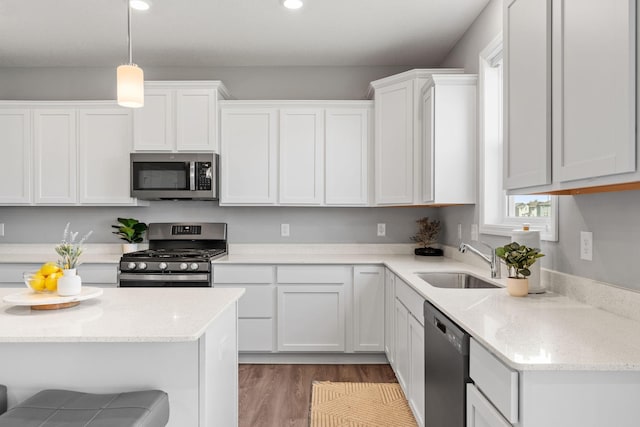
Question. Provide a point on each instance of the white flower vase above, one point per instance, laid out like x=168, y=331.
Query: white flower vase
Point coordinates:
x=70, y=283
x=129, y=247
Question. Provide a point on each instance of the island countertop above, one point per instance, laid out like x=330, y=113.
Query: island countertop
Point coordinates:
x=120, y=315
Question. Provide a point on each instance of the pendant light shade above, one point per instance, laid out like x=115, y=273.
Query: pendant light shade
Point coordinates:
x=130, y=86
x=130, y=77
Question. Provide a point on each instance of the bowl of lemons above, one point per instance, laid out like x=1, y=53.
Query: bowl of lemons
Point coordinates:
x=43, y=280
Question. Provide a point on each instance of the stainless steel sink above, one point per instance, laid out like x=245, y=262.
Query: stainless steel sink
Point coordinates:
x=455, y=280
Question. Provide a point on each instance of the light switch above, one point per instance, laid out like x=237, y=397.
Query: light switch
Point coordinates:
x=284, y=230
x=474, y=232
x=586, y=245
x=382, y=230
x=1, y=230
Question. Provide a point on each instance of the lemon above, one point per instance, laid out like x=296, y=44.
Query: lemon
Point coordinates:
x=51, y=282
x=48, y=269
x=37, y=282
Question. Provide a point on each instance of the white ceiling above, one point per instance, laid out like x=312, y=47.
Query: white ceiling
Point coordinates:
x=201, y=33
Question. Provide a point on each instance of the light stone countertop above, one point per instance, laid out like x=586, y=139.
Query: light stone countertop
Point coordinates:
x=538, y=332
x=120, y=315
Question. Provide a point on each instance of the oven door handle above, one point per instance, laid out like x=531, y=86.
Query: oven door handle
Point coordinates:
x=192, y=176
x=166, y=277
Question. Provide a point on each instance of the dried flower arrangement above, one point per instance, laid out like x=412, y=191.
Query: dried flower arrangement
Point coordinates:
x=70, y=250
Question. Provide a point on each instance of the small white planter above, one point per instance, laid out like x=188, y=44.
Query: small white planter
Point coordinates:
x=70, y=283
x=517, y=287
x=129, y=247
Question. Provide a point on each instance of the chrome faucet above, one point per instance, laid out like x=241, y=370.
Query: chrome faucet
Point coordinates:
x=493, y=261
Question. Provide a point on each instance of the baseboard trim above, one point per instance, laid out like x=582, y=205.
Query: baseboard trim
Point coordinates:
x=314, y=358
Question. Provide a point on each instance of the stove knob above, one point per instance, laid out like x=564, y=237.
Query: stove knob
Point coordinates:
x=162, y=266
x=183, y=266
x=142, y=266
x=193, y=266
x=131, y=266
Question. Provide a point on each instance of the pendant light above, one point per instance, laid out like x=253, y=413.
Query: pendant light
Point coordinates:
x=130, y=77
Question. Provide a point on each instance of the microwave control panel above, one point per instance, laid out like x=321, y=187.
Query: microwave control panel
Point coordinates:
x=203, y=175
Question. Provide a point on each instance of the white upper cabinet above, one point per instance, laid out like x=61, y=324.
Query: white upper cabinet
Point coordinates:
x=570, y=95
x=594, y=97
x=104, y=147
x=527, y=93
x=248, y=162
x=16, y=159
x=55, y=156
x=295, y=153
x=301, y=156
x=449, y=139
x=178, y=116
x=347, y=156
x=398, y=136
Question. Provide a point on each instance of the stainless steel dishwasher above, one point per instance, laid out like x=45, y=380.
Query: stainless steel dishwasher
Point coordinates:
x=446, y=370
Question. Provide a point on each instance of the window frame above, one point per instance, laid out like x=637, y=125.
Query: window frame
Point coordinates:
x=496, y=221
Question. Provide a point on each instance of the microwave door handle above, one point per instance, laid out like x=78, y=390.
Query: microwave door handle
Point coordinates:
x=192, y=176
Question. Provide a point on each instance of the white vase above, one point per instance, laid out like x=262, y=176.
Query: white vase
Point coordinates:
x=70, y=283
x=129, y=247
x=517, y=287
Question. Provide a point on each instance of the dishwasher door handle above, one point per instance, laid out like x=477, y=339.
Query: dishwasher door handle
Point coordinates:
x=440, y=325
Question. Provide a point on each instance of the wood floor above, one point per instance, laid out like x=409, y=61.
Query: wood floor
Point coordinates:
x=280, y=395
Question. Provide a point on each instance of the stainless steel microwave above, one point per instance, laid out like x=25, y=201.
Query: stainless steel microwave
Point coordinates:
x=170, y=176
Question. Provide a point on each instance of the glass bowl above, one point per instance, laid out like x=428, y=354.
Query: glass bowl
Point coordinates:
x=35, y=282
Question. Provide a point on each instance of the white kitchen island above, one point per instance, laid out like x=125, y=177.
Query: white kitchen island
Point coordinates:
x=183, y=341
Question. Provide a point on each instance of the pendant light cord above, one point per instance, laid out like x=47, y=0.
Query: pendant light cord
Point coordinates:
x=129, y=31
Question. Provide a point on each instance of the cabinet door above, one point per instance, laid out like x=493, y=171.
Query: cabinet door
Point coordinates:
x=389, y=316
x=301, y=157
x=480, y=413
x=16, y=160
x=153, y=123
x=368, y=308
x=428, y=147
x=347, y=154
x=311, y=318
x=104, y=146
x=527, y=93
x=249, y=168
x=594, y=98
x=55, y=156
x=416, y=369
x=195, y=120
x=394, y=144
x=402, y=344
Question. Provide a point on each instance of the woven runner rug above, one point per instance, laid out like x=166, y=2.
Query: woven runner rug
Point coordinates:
x=335, y=404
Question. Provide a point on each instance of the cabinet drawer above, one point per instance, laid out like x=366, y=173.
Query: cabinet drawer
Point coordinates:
x=258, y=301
x=313, y=274
x=410, y=299
x=242, y=274
x=104, y=274
x=12, y=273
x=496, y=381
x=255, y=335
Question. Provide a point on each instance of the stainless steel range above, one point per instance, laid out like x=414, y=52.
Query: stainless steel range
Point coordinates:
x=179, y=255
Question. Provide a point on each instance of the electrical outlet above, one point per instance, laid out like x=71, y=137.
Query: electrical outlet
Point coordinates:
x=382, y=230
x=1, y=230
x=474, y=232
x=284, y=230
x=586, y=245
x=459, y=231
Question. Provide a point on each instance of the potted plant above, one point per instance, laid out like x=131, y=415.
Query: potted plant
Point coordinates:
x=131, y=231
x=427, y=235
x=70, y=250
x=518, y=259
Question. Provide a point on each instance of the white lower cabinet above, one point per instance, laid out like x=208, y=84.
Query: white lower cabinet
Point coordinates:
x=480, y=412
x=389, y=315
x=401, y=365
x=416, y=369
x=256, y=308
x=368, y=308
x=92, y=274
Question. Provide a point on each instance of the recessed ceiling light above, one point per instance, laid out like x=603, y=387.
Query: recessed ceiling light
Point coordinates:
x=292, y=4
x=140, y=4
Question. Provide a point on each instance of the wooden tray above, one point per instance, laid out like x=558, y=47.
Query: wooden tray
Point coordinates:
x=46, y=301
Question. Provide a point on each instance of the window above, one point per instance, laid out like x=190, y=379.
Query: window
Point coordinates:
x=501, y=213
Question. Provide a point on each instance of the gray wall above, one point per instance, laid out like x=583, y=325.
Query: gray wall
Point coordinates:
x=611, y=217
x=242, y=82
x=246, y=224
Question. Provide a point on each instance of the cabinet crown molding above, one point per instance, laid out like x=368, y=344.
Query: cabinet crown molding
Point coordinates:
x=195, y=84
x=416, y=73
